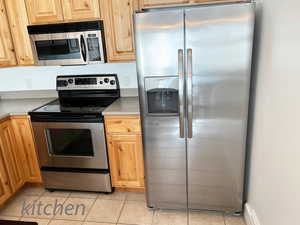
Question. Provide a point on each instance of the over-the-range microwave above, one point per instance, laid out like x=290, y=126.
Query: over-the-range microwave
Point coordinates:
x=68, y=43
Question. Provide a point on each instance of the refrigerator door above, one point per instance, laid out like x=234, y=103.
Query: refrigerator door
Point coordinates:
x=159, y=39
x=219, y=49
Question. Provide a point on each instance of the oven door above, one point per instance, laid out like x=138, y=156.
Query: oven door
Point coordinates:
x=60, y=48
x=71, y=145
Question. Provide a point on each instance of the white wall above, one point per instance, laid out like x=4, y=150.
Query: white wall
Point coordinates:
x=43, y=77
x=274, y=183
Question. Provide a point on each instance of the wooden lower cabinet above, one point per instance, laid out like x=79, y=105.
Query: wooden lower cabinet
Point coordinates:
x=11, y=156
x=5, y=191
x=18, y=159
x=126, y=160
x=125, y=151
x=25, y=143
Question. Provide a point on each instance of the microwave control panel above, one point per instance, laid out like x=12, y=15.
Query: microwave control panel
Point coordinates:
x=85, y=82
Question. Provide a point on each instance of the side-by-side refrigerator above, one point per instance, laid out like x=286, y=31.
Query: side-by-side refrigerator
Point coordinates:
x=194, y=69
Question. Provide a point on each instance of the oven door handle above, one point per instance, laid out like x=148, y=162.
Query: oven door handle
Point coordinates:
x=66, y=118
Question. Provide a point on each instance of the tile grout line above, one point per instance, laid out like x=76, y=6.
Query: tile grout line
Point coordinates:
x=89, y=210
x=52, y=218
x=39, y=197
x=84, y=220
x=97, y=198
x=123, y=206
x=223, y=215
x=153, y=214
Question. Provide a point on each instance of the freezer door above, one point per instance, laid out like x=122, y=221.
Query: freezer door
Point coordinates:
x=160, y=62
x=219, y=49
x=159, y=34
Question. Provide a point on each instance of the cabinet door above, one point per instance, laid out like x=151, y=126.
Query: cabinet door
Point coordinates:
x=126, y=160
x=7, y=54
x=17, y=16
x=26, y=145
x=118, y=21
x=11, y=156
x=44, y=11
x=158, y=3
x=79, y=10
x=5, y=192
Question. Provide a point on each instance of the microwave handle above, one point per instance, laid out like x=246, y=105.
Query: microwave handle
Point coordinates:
x=84, y=48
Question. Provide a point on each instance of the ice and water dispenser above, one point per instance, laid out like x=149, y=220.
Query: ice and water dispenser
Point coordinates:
x=162, y=95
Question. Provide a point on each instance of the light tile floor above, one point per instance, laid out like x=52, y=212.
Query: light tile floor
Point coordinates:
x=119, y=208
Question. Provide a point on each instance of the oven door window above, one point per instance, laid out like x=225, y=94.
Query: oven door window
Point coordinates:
x=70, y=142
x=58, y=49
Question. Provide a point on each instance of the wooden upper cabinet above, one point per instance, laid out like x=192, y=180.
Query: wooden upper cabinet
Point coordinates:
x=7, y=54
x=44, y=11
x=11, y=156
x=5, y=192
x=17, y=16
x=25, y=143
x=118, y=21
x=155, y=3
x=78, y=10
x=59, y=11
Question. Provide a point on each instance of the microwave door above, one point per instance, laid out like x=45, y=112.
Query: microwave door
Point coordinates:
x=59, y=49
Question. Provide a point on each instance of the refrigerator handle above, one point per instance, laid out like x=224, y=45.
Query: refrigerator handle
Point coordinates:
x=181, y=91
x=190, y=91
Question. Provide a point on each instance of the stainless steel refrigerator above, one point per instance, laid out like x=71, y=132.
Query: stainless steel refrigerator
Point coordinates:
x=194, y=66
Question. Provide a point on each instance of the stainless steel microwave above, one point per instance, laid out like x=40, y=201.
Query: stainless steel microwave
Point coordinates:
x=68, y=43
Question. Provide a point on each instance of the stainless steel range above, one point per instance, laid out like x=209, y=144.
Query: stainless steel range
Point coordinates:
x=70, y=134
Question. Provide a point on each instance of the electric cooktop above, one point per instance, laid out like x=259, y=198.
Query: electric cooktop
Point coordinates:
x=81, y=98
x=56, y=107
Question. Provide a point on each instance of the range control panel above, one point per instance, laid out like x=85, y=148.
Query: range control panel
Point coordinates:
x=88, y=82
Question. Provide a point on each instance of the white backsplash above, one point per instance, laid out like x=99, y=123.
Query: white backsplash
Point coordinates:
x=33, y=78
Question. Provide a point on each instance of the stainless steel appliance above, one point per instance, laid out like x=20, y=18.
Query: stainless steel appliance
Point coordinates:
x=193, y=68
x=70, y=136
x=68, y=43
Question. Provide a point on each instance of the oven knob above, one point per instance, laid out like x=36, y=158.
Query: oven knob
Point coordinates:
x=101, y=82
x=70, y=81
x=65, y=83
x=112, y=82
x=106, y=80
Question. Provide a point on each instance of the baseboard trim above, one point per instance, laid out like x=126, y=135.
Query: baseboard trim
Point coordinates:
x=250, y=215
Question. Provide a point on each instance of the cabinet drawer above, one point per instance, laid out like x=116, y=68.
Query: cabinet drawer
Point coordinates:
x=122, y=124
